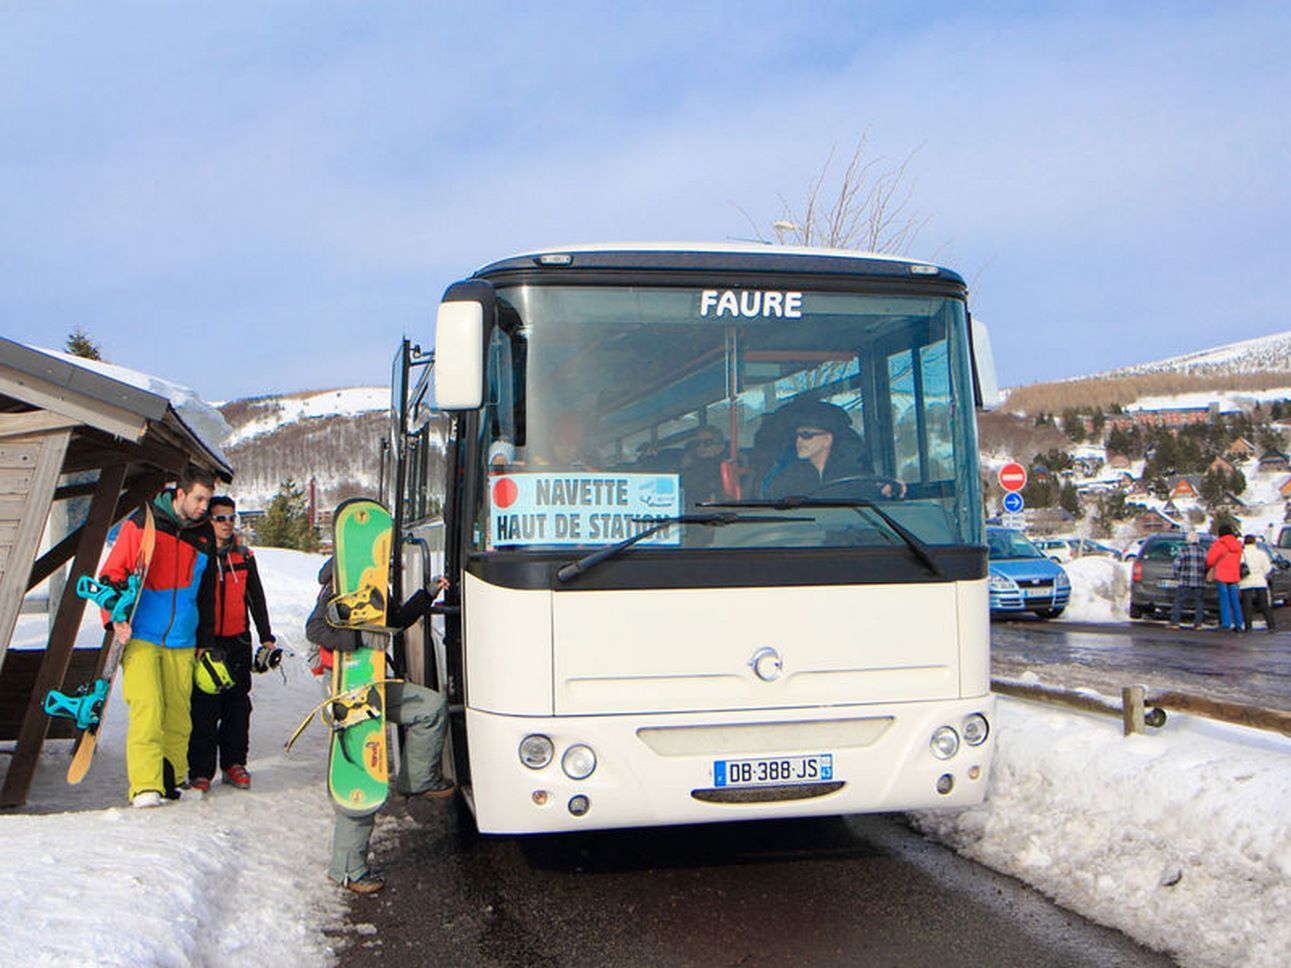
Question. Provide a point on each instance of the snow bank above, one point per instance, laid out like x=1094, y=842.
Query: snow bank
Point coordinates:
x=235, y=878
x=1181, y=839
x=1100, y=590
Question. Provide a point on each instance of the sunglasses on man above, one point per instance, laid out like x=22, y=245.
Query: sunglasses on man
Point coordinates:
x=222, y=518
x=811, y=434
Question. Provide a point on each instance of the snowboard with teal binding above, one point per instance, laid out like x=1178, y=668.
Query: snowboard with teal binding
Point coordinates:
x=358, y=767
x=85, y=706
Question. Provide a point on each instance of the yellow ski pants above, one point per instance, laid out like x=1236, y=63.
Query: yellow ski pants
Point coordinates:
x=158, y=688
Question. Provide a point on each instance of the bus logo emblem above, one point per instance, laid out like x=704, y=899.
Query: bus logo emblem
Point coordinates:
x=766, y=664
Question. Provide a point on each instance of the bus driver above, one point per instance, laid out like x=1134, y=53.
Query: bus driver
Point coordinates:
x=828, y=451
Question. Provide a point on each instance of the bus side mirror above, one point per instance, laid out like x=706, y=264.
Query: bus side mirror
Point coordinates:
x=459, y=346
x=986, y=385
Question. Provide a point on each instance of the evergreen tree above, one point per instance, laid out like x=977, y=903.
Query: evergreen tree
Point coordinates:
x=1073, y=424
x=1069, y=500
x=286, y=521
x=79, y=344
x=1212, y=487
x=1225, y=517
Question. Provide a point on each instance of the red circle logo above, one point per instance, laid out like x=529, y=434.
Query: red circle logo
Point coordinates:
x=505, y=492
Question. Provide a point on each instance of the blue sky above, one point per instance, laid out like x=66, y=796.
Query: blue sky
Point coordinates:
x=260, y=197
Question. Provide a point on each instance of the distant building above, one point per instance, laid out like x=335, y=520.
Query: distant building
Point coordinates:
x=1273, y=460
x=1220, y=465
x=1152, y=522
x=1241, y=448
x=1229, y=501
x=1184, y=487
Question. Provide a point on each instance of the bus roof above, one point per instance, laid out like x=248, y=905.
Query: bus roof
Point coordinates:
x=722, y=256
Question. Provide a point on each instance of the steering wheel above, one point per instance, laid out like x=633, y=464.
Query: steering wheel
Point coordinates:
x=871, y=487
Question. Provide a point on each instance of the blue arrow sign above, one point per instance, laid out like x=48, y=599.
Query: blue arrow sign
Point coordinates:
x=1013, y=502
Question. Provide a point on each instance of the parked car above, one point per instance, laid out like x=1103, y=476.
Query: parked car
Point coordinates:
x=1152, y=581
x=1065, y=549
x=1134, y=549
x=1022, y=578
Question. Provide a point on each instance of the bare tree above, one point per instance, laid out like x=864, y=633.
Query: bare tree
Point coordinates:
x=868, y=210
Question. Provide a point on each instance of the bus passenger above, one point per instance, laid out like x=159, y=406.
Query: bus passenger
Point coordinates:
x=701, y=466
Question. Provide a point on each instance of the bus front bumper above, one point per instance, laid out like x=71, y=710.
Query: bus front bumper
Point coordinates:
x=653, y=770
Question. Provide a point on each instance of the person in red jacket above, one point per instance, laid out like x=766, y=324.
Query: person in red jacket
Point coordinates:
x=1225, y=557
x=171, y=621
x=222, y=722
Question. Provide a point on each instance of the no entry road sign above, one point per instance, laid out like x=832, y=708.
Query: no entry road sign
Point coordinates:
x=1013, y=476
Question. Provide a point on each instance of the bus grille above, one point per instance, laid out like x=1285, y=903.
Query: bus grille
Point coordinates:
x=767, y=794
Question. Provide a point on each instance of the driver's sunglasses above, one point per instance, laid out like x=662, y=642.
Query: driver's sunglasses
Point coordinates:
x=811, y=434
x=222, y=518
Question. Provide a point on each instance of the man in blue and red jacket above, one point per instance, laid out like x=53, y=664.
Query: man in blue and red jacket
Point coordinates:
x=222, y=722
x=172, y=619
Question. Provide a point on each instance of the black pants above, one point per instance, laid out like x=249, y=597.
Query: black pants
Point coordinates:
x=1259, y=598
x=223, y=722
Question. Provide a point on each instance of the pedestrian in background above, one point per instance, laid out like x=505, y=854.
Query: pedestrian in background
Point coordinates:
x=1190, y=582
x=1254, y=585
x=1225, y=558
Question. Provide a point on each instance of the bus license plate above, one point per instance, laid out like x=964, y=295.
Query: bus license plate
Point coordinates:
x=773, y=770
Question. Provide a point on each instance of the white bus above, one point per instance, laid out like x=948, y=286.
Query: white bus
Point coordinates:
x=712, y=520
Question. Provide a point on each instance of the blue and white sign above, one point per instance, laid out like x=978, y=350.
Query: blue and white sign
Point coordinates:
x=1013, y=502
x=580, y=508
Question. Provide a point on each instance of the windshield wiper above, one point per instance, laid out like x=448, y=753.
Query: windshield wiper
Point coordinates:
x=912, y=540
x=715, y=520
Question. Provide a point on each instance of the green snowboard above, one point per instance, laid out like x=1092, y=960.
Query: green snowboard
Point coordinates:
x=357, y=768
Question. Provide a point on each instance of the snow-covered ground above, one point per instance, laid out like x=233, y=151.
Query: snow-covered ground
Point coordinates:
x=1181, y=839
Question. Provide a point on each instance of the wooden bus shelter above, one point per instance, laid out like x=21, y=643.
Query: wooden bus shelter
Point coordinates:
x=121, y=444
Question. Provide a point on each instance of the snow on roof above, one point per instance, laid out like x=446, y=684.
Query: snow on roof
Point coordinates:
x=202, y=420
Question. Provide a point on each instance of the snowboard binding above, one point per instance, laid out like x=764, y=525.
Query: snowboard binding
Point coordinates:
x=365, y=607
x=86, y=706
x=117, y=600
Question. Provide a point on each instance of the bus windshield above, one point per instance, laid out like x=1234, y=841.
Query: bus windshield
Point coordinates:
x=610, y=407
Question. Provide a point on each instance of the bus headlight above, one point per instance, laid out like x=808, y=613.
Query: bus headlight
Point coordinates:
x=578, y=762
x=976, y=730
x=944, y=743
x=536, y=751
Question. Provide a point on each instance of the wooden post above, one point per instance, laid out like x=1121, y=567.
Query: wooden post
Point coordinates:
x=29, y=469
x=1132, y=710
x=35, y=724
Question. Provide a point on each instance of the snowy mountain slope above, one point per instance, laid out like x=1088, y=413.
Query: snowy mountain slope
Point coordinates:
x=264, y=414
x=1262, y=354
x=334, y=437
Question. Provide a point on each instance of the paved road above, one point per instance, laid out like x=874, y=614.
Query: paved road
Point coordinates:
x=1254, y=667
x=850, y=891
